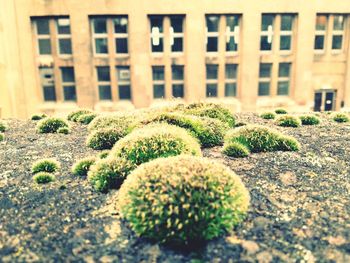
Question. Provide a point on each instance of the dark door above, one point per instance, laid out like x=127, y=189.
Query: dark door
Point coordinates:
x=318, y=101
x=324, y=100
x=329, y=102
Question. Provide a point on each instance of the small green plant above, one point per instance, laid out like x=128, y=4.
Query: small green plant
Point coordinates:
x=86, y=118
x=3, y=127
x=45, y=165
x=51, y=125
x=37, y=117
x=309, y=120
x=43, y=178
x=2, y=137
x=235, y=149
x=104, y=154
x=288, y=121
x=81, y=167
x=268, y=115
x=183, y=200
x=63, y=130
x=74, y=115
x=109, y=173
x=104, y=138
x=281, y=111
x=340, y=117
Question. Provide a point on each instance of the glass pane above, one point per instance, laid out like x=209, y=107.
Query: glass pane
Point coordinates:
x=318, y=102
x=104, y=92
x=63, y=26
x=212, y=90
x=284, y=70
x=338, y=23
x=231, y=71
x=157, y=21
x=44, y=46
x=103, y=74
x=321, y=22
x=42, y=26
x=158, y=91
x=329, y=101
x=265, y=43
x=177, y=46
x=49, y=93
x=264, y=89
x=212, y=23
x=101, y=45
x=266, y=21
x=231, y=45
x=68, y=74
x=212, y=45
x=337, y=42
x=212, y=71
x=159, y=47
x=158, y=72
x=65, y=46
x=230, y=90
x=177, y=23
x=319, y=42
x=100, y=25
x=124, y=92
x=287, y=22
x=178, y=90
x=265, y=70
x=285, y=42
x=121, y=24
x=69, y=93
x=123, y=73
x=283, y=88
x=232, y=22
x=121, y=45
x=177, y=72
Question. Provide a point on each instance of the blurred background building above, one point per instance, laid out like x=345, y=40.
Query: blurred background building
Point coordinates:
x=56, y=55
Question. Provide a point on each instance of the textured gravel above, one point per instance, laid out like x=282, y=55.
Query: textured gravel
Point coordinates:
x=300, y=207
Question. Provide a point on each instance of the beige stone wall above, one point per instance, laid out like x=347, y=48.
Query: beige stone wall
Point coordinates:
x=20, y=91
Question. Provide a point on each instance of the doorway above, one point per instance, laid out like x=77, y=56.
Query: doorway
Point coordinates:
x=325, y=100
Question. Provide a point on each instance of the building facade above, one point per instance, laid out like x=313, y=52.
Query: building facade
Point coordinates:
x=56, y=55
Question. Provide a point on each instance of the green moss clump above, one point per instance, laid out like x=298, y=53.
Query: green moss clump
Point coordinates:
x=235, y=149
x=288, y=121
x=340, y=117
x=104, y=154
x=74, y=115
x=2, y=137
x=104, y=138
x=45, y=165
x=183, y=200
x=63, y=130
x=51, y=125
x=37, y=117
x=43, y=178
x=268, y=115
x=309, y=120
x=3, y=127
x=86, y=118
x=82, y=166
x=281, y=111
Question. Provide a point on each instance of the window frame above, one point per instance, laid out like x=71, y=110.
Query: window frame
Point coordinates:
x=323, y=32
x=231, y=80
x=103, y=83
x=63, y=36
x=265, y=79
x=158, y=82
x=68, y=84
x=95, y=36
x=177, y=81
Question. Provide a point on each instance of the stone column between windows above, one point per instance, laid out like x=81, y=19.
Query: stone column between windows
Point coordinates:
x=111, y=59
x=166, y=57
x=275, y=55
x=221, y=57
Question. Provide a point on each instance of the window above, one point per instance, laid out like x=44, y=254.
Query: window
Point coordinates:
x=158, y=82
x=321, y=26
x=68, y=84
x=232, y=32
x=177, y=73
x=47, y=83
x=338, y=32
x=212, y=33
x=64, y=36
x=157, y=34
x=123, y=79
x=176, y=33
x=100, y=35
x=286, y=32
x=43, y=36
x=230, y=80
x=212, y=80
x=267, y=31
x=264, y=79
x=104, y=83
x=283, y=79
x=121, y=34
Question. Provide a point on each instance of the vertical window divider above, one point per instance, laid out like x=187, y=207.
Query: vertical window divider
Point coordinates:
x=329, y=35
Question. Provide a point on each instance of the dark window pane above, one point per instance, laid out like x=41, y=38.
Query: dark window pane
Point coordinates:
x=177, y=23
x=123, y=73
x=212, y=71
x=285, y=42
x=121, y=45
x=177, y=72
x=177, y=46
x=69, y=93
x=178, y=90
x=337, y=42
x=158, y=91
x=265, y=43
x=157, y=22
x=159, y=47
x=121, y=25
x=100, y=25
x=68, y=74
x=212, y=45
x=321, y=22
x=212, y=90
x=124, y=92
x=338, y=23
x=103, y=74
x=319, y=42
x=158, y=72
x=230, y=90
x=266, y=21
x=101, y=45
x=283, y=88
x=212, y=23
x=232, y=22
x=231, y=71
x=42, y=26
x=329, y=101
x=44, y=46
x=284, y=70
x=231, y=45
x=65, y=46
x=104, y=92
x=264, y=89
x=63, y=26
x=265, y=70
x=318, y=102
x=49, y=93
x=286, y=22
